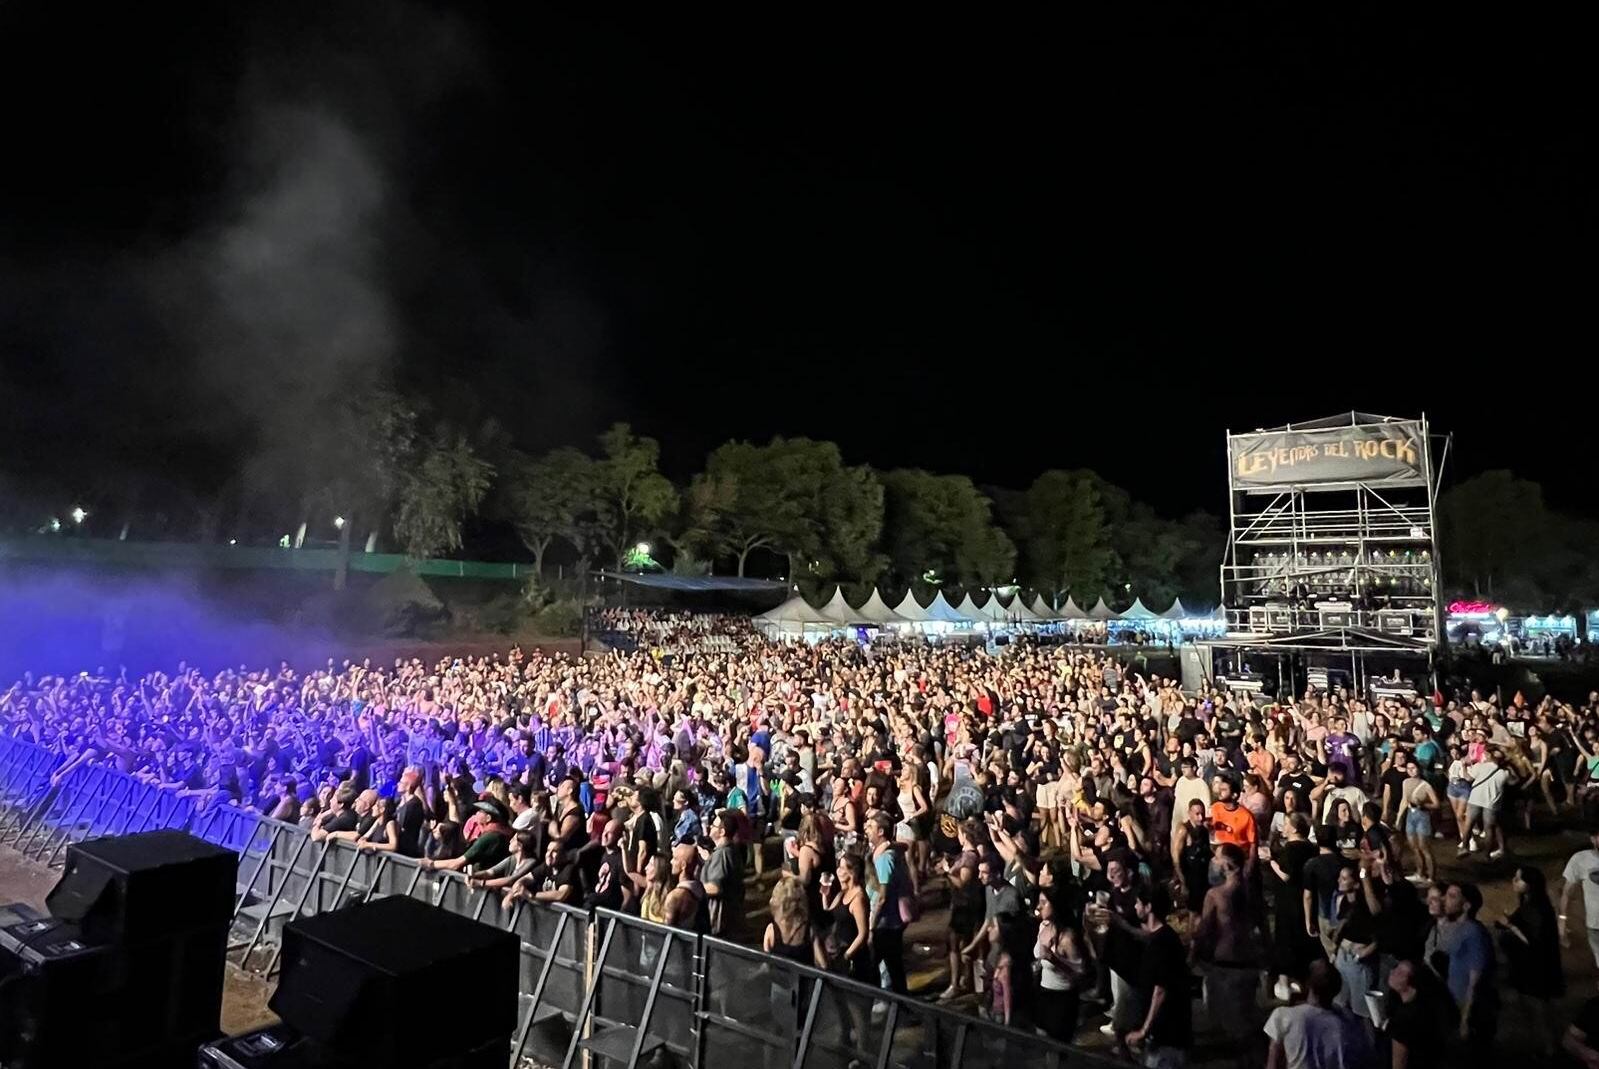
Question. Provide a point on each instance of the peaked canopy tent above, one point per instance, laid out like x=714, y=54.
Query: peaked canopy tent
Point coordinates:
x=1017, y=612
x=1101, y=611
x=909, y=609
x=795, y=618
x=877, y=611
x=1137, y=611
x=1042, y=610
x=1071, y=611
x=1176, y=612
x=940, y=611
x=971, y=613
x=839, y=611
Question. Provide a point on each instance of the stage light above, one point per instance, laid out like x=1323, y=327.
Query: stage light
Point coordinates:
x=338, y=522
x=78, y=515
x=55, y=524
x=233, y=541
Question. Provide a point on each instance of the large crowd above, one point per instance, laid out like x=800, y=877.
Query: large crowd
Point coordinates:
x=1109, y=848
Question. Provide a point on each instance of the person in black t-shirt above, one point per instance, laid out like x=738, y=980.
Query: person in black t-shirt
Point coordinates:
x=1418, y=1016
x=1167, y=1030
x=1292, y=775
x=607, y=883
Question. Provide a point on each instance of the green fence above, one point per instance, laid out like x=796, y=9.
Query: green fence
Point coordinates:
x=104, y=552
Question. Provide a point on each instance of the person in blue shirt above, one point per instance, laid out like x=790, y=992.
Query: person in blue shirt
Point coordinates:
x=1470, y=972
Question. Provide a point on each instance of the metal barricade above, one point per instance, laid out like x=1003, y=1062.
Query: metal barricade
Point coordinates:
x=641, y=996
x=613, y=986
x=556, y=961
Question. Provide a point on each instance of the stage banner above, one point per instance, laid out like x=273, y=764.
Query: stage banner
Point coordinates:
x=1391, y=454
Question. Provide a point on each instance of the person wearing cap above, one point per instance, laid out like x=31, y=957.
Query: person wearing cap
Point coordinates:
x=492, y=845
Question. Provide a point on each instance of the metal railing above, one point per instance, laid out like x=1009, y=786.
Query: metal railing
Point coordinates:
x=600, y=984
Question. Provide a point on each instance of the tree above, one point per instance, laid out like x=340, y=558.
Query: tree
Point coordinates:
x=632, y=495
x=1492, y=527
x=850, y=511
x=443, y=484
x=1067, y=540
x=942, y=524
x=768, y=495
x=551, y=497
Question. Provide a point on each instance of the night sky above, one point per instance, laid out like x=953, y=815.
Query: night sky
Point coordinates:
x=990, y=248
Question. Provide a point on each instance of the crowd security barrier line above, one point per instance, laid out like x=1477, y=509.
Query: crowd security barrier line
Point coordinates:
x=599, y=986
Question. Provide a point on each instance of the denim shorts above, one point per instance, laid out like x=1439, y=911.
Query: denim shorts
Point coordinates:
x=1459, y=790
x=1418, y=822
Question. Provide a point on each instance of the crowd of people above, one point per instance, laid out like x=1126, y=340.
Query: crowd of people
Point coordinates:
x=1108, y=847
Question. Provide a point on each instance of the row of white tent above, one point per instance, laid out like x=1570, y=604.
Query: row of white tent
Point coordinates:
x=796, y=615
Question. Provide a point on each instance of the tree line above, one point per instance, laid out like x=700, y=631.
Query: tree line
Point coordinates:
x=793, y=508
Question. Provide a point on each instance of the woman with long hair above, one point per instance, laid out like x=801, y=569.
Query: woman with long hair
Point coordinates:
x=848, y=944
x=653, y=885
x=790, y=933
x=1531, y=941
x=1064, y=969
x=915, y=822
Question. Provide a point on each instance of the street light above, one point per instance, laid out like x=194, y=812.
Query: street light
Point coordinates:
x=338, y=522
x=78, y=515
x=642, y=549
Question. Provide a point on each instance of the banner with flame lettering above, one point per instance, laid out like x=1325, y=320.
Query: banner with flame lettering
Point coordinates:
x=1388, y=454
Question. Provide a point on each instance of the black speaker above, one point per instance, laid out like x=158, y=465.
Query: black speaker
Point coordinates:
x=345, y=973
x=128, y=971
x=138, y=888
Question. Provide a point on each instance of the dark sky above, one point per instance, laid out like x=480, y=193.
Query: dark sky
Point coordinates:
x=991, y=247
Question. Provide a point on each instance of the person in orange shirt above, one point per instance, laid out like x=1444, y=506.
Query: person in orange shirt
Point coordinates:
x=1231, y=823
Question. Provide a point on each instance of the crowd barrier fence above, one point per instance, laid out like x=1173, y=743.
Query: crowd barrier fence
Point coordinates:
x=595, y=987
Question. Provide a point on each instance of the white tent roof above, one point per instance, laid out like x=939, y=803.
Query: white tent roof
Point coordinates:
x=941, y=611
x=1101, y=611
x=877, y=611
x=1138, y=611
x=994, y=609
x=969, y=611
x=1019, y=611
x=796, y=610
x=1042, y=610
x=1176, y=612
x=1072, y=611
x=839, y=611
x=908, y=609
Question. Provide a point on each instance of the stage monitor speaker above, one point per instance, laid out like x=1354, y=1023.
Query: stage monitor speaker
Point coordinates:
x=1337, y=618
x=134, y=889
x=67, y=999
x=345, y=971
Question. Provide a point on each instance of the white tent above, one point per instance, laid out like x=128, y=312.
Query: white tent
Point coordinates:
x=1042, y=610
x=877, y=611
x=909, y=609
x=1138, y=611
x=1018, y=612
x=941, y=611
x=971, y=613
x=1176, y=612
x=795, y=617
x=1101, y=611
x=838, y=610
x=1071, y=611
